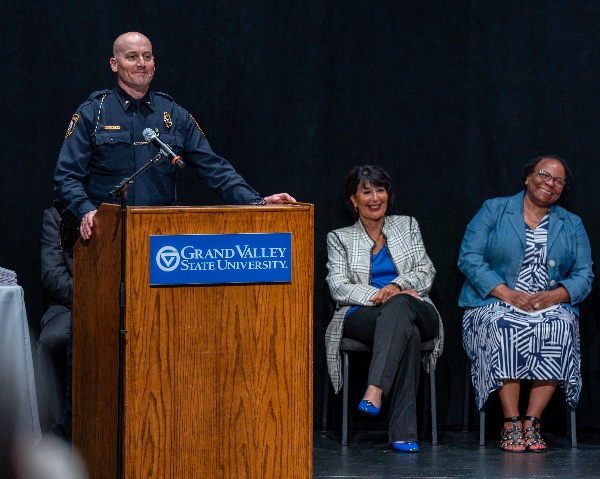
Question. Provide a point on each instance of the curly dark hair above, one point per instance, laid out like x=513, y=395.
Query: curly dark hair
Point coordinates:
x=363, y=174
x=530, y=166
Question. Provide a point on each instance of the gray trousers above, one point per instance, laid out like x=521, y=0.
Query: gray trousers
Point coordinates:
x=394, y=331
x=52, y=360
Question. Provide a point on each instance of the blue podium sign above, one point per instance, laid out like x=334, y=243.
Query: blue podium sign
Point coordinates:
x=221, y=258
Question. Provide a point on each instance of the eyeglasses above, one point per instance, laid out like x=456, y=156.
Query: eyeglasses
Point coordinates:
x=558, y=182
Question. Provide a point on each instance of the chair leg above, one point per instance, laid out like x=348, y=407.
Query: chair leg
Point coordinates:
x=573, y=427
x=482, y=426
x=426, y=403
x=434, y=438
x=346, y=368
x=324, y=416
x=467, y=403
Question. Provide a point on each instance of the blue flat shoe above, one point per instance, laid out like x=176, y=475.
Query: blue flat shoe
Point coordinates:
x=404, y=446
x=367, y=407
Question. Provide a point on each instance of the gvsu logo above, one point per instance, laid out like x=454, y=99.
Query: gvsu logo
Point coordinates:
x=167, y=258
x=220, y=258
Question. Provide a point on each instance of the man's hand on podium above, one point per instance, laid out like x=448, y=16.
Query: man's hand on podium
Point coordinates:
x=279, y=199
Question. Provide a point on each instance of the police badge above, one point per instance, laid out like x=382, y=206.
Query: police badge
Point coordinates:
x=167, y=119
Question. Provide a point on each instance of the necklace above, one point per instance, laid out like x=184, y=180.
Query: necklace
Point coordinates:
x=378, y=237
x=534, y=218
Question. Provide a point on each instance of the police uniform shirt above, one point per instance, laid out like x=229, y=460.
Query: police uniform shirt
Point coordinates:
x=104, y=145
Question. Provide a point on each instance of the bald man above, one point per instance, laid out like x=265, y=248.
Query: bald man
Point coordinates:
x=104, y=144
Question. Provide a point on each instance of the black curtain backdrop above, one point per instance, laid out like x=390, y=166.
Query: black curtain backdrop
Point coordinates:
x=452, y=98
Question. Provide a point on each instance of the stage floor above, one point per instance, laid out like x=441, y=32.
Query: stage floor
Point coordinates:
x=457, y=454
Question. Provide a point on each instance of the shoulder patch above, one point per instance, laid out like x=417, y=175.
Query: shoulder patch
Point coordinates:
x=72, y=124
x=194, y=120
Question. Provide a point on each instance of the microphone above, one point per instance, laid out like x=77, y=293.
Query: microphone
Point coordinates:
x=151, y=136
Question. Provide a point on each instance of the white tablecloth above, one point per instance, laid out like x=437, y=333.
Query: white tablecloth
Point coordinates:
x=16, y=359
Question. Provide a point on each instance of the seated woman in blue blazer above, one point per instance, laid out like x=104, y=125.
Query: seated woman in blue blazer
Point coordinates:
x=528, y=264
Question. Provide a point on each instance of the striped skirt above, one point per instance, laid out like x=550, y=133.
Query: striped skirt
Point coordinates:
x=502, y=342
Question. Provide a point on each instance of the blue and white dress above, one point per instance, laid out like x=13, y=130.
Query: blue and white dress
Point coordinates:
x=505, y=342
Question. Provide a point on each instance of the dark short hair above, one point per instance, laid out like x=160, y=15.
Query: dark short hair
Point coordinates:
x=530, y=166
x=363, y=174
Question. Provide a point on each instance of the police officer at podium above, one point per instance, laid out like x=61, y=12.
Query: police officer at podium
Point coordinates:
x=105, y=144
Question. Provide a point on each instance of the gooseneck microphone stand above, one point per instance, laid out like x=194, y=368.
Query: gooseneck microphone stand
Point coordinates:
x=121, y=191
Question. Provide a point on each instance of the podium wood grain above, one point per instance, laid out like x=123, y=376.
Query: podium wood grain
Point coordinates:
x=218, y=378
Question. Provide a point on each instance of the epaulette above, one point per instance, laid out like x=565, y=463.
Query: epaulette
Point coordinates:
x=164, y=95
x=99, y=93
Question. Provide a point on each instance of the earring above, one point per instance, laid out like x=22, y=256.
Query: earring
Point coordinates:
x=355, y=210
x=526, y=183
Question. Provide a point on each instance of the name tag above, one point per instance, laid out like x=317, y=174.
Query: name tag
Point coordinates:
x=221, y=258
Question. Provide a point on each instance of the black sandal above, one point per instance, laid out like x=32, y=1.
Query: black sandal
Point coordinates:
x=533, y=435
x=514, y=435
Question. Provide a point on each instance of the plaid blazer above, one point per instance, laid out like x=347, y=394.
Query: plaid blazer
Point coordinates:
x=349, y=278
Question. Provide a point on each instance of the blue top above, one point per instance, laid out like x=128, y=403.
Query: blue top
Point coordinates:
x=533, y=276
x=382, y=272
x=104, y=145
x=493, y=249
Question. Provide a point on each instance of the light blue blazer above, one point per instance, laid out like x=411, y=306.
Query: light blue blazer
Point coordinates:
x=493, y=249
